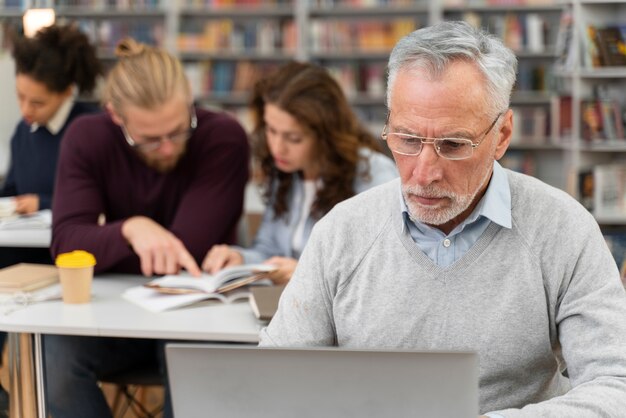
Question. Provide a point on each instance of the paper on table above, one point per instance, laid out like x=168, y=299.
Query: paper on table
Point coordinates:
x=7, y=207
x=155, y=301
x=38, y=220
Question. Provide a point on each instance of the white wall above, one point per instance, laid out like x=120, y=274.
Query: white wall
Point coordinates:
x=9, y=114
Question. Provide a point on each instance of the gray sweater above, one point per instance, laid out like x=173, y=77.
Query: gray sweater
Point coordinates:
x=524, y=298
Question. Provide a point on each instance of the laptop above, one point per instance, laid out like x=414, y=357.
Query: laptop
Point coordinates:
x=247, y=381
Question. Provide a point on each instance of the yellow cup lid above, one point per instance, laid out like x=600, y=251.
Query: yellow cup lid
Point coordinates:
x=76, y=259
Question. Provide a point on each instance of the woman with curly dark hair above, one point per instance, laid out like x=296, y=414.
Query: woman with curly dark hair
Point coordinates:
x=313, y=153
x=50, y=69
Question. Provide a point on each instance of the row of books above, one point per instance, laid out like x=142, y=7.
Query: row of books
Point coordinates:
x=602, y=120
x=229, y=3
x=531, y=125
x=227, y=35
x=602, y=189
x=364, y=35
x=329, y=4
x=600, y=46
x=105, y=34
x=520, y=161
x=519, y=31
x=533, y=76
x=616, y=241
x=236, y=77
x=225, y=77
x=605, y=46
x=108, y=4
x=480, y=3
x=360, y=78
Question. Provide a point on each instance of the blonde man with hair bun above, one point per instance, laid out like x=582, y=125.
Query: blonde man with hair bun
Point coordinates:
x=169, y=179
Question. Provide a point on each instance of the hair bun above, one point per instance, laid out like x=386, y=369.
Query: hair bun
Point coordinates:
x=128, y=47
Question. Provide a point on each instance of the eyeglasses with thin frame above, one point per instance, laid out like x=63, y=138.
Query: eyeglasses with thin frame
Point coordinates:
x=448, y=148
x=153, y=143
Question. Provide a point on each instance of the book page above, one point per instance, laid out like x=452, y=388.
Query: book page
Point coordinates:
x=155, y=301
x=213, y=283
x=159, y=302
x=38, y=220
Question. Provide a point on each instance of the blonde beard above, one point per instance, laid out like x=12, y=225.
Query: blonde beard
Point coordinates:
x=159, y=165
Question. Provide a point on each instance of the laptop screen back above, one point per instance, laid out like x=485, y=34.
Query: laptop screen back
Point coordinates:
x=248, y=381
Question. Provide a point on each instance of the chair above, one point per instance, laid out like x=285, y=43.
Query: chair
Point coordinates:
x=129, y=388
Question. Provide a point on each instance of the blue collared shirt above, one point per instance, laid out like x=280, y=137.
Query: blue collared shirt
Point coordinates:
x=495, y=206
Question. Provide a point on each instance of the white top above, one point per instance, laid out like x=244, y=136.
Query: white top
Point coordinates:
x=298, y=240
x=57, y=121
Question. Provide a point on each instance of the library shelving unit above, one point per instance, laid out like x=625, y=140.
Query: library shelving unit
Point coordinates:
x=592, y=86
x=226, y=45
x=108, y=21
x=530, y=29
x=594, y=97
x=353, y=40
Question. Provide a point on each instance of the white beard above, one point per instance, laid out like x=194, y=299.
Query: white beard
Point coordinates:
x=442, y=213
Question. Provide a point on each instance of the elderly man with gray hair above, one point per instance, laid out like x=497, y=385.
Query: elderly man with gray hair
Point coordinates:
x=462, y=254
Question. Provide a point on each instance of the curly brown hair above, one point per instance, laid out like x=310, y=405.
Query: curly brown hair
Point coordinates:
x=58, y=56
x=312, y=97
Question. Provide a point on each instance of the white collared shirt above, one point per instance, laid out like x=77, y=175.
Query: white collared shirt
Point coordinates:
x=56, y=122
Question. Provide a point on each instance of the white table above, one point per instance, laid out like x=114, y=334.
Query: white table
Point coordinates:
x=109, y=315
x=34, y=238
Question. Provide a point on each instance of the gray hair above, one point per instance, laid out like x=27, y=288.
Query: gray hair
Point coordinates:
x=433, y=48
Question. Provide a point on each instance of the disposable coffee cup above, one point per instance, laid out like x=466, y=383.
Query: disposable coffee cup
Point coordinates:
x=76, y=275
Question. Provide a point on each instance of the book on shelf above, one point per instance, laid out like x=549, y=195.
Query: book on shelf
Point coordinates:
x=561, y=117
x=174, y=291
x=26, y=277
x=609, y=194
x=616, y=241
x=520, y=161
x=603, y=46
x=564, y=48
x=586, y=188
x=611, y=46
x=531, y=125
x=602, y=120
x=518, y=31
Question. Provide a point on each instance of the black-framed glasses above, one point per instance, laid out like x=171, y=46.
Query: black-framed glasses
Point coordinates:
x=448, y=148
x=149, y=144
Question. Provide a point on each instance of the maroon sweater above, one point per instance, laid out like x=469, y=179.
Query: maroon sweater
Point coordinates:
x=199, y=201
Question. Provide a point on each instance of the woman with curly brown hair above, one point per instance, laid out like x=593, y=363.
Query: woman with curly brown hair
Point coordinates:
x=313, y=153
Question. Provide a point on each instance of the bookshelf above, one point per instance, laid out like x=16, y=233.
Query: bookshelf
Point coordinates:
x=595, y=141
x=530, y=29
x=226, y=44
x=354, y=44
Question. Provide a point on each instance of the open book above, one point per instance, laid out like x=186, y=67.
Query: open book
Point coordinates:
x=38, y=220
x=174, y=291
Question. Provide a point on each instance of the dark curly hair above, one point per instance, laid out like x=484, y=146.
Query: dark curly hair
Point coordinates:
x=58, y=56
x=312, y=97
